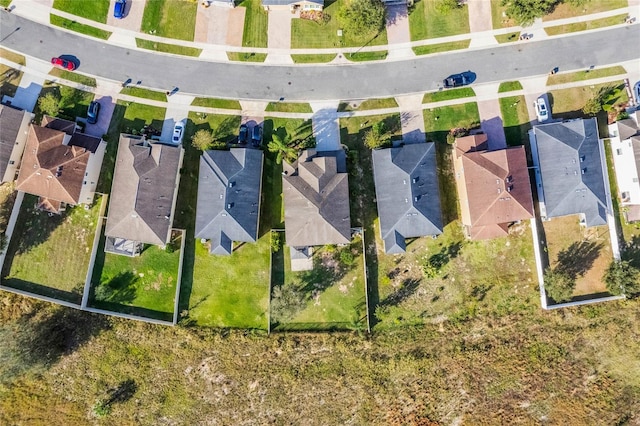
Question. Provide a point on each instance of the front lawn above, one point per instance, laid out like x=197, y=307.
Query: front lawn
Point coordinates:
x=567, y=10
x=439, y=121
x=49, y=255
x=309, y=34
x=9, y=80
x=73, y=102
x=170, y=18
x=588, y=25
x=255, y=24
x=96, y=10
x=224, y=127
x=59, y=21
x=426, y=22
x=144, y=285
x=568, y=103
x=515, y=118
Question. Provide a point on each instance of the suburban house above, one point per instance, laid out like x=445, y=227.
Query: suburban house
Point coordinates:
x=493, y=187
x=14, y=128
x=228, y=207
x=60, y=165
x=570, y=170
x=143, y=195
x=407, y=193
x=316, y=202
x=625, y=146
x=293, y=5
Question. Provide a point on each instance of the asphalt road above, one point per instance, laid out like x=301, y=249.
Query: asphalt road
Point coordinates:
x=319, y=82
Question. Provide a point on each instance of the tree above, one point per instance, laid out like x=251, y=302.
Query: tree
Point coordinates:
x=559, y=285
x=282, y=146
x=377, y=136
x=622, y=278
x=524, y=12
x=362, y=17
x=202, y=140
x=592, y=107
x=286, y=302
x=49, y=104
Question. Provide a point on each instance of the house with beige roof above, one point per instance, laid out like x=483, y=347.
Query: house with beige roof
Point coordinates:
x=143, y=195
x=493, y=187
x=60, y=165
x=316, y=200
x=625, y=147
x=14, y=128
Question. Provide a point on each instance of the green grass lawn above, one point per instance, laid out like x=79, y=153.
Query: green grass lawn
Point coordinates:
x=9, y=80
x=73, y=102
x=567, y=10
x=368, y=104
x=585, y=75
x=568, y=103
x=217, y=103
x=144, y=285
x=313, y=59
x=367, y=56
x=441, y=47
x=139, y=92
x=246, y=57
x=439, y=121
x=168, y=48
x=49, y=256
x=588, y=25
x=289, y=107
x=78, y=27
x=12, y=56
x=509, y=86
x=309, y=34
x=5, y=3
x=445, y=95
x=515, y=119
x=95, y=10
x=255, y=24
x=170, y=18
x=224, y=127
x=498, y=19
x=72, y=76
x=508, y=38
x=426, y=22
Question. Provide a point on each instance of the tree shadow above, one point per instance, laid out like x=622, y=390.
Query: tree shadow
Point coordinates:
x=118, y=289
x=577, y=259
x=631, y=251
x=122, y=393
x=408, y=288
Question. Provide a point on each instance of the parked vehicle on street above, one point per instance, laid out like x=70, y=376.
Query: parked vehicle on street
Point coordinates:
x=542, y=109
x=119, y=9
x=92, y=112
x=243, y=136
x=178, y=133
x=63, y=63
x=457, y=80
x=256, y=135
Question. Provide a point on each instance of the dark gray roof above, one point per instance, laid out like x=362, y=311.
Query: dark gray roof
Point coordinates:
x=228, y=206
x=627, y=128
x=90, y=143
x=571, y=170
x=407, y=193
x=145, y=183
x=288, y=2
x=11, y=121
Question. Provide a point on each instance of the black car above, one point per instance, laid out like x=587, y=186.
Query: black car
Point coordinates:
x=92, y=112
x=244, y=134
x=457, y=80
x=256, y=135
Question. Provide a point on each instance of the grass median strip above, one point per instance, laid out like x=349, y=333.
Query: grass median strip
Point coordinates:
x=367, y=104
x=509, y=86
x=313, y=59
x=508, y=38
x=445, y=95
x=585, y=75
x=13, y=57
x=588, y=25
x=246, y=57
x=216, y=103
x=72, y=76
x=79, y=28
x=289, y=107
x=367, y=56
x=168, y=48
x=139, y=92
x=441, y=47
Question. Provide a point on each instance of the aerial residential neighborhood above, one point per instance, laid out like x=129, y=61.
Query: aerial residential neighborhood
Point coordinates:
x=320, y=212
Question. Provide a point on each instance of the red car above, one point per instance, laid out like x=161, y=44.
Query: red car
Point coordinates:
x=63, y=63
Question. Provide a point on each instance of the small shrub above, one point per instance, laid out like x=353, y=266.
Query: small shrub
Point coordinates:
x=559, y=285
x=276, y=242
x=346, y=257
x=49, y=104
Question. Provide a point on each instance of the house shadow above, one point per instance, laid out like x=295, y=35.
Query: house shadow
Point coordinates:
x=494, y=129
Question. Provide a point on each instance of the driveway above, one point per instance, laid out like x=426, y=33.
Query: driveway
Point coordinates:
x=279, y=29
x=326, y=126
x=411, y=118
x=212, y=24
x=491, y=123
x=479, y=15
x=397, y=23
x=132, y=16
x=235, y=26
x=106, y=95
x=177, y=110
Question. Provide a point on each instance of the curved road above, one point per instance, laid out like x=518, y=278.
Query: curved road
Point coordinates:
x=323, y=82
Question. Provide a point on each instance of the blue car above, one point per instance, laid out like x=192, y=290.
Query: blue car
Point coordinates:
x=118, y=9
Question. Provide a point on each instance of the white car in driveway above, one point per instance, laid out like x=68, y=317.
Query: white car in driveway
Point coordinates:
x=178, y=133
x=542, y=109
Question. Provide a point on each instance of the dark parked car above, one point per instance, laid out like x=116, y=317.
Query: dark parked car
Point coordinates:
x=118, y=9
x=256, y=135
x=457, y=80
x=244, y=134
x=92, y=112
x=63, y=63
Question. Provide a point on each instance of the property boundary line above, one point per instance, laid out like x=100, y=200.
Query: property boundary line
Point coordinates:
x=176, y=299
x=366, y=281
x=94, y=251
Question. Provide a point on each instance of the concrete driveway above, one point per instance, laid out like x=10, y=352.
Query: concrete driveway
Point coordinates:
x=212, y=24
x=397, y=23
x=132, y=16
x=491, y=123
x=177, y=110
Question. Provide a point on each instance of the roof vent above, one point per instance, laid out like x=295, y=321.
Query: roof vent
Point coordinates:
x=584, y=170
x=509, y=188
x=499, y=190
x=229, y=205
x=404, y=181
x=416, y=198
x=231, y=184
x=582, y=158
x=415, y=179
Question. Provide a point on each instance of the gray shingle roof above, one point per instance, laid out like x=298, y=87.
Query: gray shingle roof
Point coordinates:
x=145, y=183
x=571, y=170
x=228, y=206
x=407, y=193
x=12, y=121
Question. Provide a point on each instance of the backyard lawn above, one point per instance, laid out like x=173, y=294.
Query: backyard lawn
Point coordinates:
x=426, y=22
x=170, y=18
x=515, y=118
x=97, y=10
x=49, y=255
x=255, y=24
x=144, y=285
x=309, y=34
x=73, y=102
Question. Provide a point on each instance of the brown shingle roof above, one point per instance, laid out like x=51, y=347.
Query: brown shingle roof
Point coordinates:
x=51, y=169
x=494, y=190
